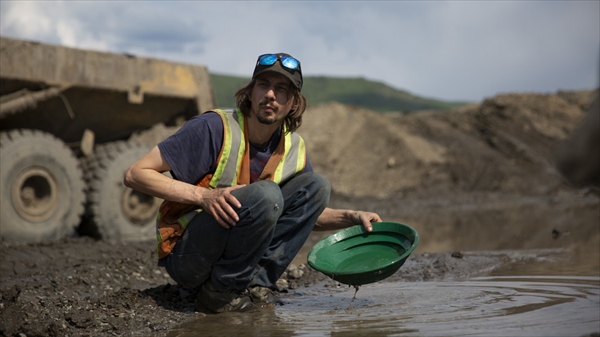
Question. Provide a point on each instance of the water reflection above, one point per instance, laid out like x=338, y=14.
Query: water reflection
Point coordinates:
x=263, y=322
x=542, y=306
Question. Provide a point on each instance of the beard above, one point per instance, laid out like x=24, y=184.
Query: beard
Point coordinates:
x=266, y=119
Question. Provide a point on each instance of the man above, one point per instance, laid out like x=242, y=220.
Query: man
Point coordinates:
x=244, y=197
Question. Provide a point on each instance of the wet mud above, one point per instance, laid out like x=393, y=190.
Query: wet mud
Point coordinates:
x=82, y=287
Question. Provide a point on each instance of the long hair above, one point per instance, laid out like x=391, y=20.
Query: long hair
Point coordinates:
x=292, y=121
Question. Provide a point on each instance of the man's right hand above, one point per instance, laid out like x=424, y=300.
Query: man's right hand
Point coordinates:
x=220, y=203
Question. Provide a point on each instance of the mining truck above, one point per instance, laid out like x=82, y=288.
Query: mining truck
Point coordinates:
x=71, y=122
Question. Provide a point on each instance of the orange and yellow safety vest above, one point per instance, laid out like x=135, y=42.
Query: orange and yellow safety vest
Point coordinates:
x=233, y=168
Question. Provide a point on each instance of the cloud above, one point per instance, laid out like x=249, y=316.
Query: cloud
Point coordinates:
x=108, y=26
x=25, y=20
x=449, y=50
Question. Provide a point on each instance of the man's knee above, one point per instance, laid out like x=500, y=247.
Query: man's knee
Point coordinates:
x=318, y=187
x=263, y=197
x=321, y=182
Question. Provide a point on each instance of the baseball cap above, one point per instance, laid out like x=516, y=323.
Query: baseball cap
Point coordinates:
x=281, y=63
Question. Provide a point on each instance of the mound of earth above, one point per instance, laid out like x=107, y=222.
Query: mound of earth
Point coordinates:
x=505, y=144
x=478, y=177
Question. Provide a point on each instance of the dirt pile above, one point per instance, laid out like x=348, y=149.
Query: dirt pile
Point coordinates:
x=505, y=144
x=479, y=177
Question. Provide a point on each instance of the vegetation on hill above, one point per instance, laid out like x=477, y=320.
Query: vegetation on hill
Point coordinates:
x=359, y=92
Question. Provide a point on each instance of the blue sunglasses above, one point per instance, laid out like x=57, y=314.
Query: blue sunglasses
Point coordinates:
x=286, y=61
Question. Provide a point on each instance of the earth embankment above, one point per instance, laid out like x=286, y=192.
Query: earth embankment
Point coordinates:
x=483, y=176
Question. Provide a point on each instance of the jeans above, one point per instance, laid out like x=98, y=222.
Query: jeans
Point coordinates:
x=275, y=222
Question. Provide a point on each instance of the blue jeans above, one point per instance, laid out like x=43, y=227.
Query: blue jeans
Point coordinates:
x=275, y=222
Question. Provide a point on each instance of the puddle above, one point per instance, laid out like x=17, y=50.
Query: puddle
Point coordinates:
x=514, y=301
x=540, y=306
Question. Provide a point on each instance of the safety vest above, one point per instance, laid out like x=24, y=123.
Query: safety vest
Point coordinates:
x=233, y=168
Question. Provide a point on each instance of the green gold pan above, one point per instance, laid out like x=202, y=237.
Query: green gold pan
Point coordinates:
x=354, y=256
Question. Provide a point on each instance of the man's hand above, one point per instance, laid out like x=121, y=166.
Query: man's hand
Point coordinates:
x=220, y=203
x=334, y=219
x=365, y=218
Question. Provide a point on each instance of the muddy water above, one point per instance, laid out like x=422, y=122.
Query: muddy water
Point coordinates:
x=543, y=296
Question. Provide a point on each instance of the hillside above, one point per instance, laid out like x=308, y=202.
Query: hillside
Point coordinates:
x=359, y=92
x=477, y=177
x=483, y=147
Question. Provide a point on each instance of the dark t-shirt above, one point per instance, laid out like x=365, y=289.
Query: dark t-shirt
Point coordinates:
x=193, y=150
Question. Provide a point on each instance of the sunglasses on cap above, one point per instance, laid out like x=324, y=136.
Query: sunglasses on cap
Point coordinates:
x=288, y=62
x=281, y=63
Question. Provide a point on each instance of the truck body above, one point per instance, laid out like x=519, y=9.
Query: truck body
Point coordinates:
x=70, y=125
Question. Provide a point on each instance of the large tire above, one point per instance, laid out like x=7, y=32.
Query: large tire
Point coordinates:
x=43, y=192
x=115, y=212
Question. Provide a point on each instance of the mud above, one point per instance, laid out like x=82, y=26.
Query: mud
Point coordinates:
x=82, y=287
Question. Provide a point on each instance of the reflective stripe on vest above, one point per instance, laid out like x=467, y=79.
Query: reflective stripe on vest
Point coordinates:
x=294, y=159
x=185, y=219
x=227, y=170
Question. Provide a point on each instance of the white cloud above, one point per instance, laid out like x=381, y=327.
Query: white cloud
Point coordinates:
x=25, y=19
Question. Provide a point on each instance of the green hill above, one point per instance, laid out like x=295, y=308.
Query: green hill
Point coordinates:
x=376, y=96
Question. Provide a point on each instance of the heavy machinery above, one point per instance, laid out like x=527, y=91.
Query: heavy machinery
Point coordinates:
x=71, y=122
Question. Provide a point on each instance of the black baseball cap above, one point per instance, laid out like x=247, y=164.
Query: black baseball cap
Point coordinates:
x=281, y=63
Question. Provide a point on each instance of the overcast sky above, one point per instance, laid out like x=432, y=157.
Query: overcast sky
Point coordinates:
x=451, y=50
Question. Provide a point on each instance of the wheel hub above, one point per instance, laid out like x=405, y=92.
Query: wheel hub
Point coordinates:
x=139, y=207
x=34, y=194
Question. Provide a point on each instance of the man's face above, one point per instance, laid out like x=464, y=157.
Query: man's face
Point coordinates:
x=271, y=98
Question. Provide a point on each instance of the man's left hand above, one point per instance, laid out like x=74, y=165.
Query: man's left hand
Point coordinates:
x=365, y=218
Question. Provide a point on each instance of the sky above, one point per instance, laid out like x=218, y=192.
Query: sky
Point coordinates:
x=448, y=50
